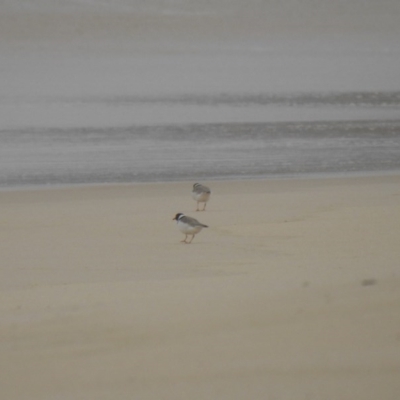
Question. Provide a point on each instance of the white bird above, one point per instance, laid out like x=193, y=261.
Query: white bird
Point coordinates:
x=201, y=194
x=188, y=226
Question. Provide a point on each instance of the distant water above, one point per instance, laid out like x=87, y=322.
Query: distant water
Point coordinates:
x=126, y=91
x=358, y=133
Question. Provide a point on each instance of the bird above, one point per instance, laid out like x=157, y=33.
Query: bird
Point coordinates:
x=188, y=226
x=201, y=194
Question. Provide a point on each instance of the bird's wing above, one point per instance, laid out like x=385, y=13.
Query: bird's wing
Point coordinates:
x=202, y=189
x=191, y=221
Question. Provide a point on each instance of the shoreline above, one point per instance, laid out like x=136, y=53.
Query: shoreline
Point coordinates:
x=272, y=177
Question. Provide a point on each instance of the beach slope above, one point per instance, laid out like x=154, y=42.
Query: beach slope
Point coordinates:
x=291, y=293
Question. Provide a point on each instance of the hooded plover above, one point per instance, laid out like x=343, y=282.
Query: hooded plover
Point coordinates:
x=201, y=194
x=188, y=226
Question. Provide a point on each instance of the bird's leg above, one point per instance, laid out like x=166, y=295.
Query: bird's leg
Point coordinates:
x=204, y=208
x=184, y=240
x=191, y=239
x=197, y=209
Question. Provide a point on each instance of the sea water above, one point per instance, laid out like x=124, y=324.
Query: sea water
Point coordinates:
x=93, y=110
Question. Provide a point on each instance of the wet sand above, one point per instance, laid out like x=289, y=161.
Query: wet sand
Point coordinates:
x=293, y=291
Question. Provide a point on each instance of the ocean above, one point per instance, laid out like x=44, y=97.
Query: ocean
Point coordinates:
x=173, y=91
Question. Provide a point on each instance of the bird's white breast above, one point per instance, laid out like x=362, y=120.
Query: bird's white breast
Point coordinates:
x=201, y=197
x=188, y=229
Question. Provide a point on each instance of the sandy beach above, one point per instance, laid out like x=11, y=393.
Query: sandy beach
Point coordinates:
x=291, y=293
x=289, y=111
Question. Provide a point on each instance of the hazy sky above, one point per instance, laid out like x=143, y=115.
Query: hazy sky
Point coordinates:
x=197, y=19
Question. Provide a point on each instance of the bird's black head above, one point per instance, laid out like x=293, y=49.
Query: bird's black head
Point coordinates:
x=177, y=216
x=196, y=184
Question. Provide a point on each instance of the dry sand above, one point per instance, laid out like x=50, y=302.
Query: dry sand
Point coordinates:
x=292, y=293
